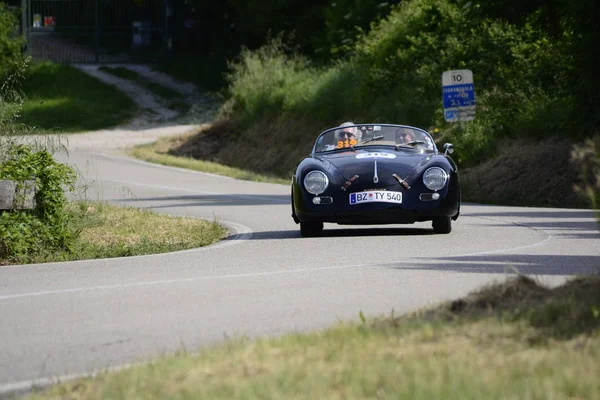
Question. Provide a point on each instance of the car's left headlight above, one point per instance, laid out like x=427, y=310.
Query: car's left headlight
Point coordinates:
x=435, y=178
x=316, y=182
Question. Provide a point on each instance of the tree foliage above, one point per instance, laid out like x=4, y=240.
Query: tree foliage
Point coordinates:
x=10, y=42
x=534, y=68
x=316, y=28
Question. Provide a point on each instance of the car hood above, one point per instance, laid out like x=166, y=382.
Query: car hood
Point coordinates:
x=364, y=163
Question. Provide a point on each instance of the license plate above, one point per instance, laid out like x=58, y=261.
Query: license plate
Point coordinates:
x=375, y=196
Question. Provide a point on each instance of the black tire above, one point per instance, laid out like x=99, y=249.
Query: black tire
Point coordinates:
x=310, y=228
x=442, y=225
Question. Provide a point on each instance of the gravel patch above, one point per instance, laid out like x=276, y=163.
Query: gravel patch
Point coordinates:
x=155, y=119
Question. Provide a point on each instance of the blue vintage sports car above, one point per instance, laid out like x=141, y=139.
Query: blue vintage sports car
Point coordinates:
x=375, y=174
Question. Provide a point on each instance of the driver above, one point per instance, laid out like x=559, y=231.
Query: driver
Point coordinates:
x=348, y=132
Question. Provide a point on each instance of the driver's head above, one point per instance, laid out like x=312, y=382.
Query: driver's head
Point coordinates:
x=403, y=135
x=348, y=131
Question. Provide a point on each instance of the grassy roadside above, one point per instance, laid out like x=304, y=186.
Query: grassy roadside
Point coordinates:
x=158, y=152
x=514, y=340
x=62, y=98
x=107, y=231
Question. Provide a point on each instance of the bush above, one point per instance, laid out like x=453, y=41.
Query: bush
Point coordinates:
x=46, y=227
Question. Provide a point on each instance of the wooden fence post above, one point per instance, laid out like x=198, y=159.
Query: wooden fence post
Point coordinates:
x=17, y=195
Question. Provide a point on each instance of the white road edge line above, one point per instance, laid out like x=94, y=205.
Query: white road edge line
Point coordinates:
x=174, y=188
x=24, y=387
x=147, y=163
x=170, y=281
x=549, y=237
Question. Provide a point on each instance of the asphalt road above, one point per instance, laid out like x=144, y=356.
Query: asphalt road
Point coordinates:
x=71, y=318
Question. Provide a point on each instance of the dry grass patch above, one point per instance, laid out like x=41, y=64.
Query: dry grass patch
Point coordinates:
x=481, y=351
x=166, y=151
x=132, y=226
x=111, y=231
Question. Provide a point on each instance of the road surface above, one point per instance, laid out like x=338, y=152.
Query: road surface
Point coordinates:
x=61, y=319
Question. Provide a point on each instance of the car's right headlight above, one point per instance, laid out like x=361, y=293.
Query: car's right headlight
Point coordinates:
x=435, y=178
x=316, y=182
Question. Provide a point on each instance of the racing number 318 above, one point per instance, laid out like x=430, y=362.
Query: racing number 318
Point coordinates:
x=346, y=143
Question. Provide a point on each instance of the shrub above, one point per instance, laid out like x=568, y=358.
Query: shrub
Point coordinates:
x=47, y=225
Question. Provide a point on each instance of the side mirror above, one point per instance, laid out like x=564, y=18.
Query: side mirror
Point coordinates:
x=448, y=148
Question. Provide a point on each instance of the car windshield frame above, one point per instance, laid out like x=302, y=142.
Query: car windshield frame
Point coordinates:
x=359, y=136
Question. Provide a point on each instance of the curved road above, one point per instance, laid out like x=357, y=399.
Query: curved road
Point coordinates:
x=71, y=318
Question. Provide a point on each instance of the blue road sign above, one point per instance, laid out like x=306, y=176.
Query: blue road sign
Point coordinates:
x=458, y=95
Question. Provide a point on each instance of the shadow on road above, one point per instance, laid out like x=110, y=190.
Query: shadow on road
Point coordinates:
x=507, y=263
x=332, y=233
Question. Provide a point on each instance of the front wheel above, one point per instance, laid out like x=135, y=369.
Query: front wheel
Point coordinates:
x=442, y=225
x=310, y=228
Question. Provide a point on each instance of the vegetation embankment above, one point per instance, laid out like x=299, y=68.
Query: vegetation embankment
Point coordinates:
x=533, y=81
x=513, y=340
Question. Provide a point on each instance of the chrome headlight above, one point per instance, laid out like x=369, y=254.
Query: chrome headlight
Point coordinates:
x=316, y=182
x=435, y=178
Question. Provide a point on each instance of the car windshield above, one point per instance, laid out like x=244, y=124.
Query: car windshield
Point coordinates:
x=356, y=136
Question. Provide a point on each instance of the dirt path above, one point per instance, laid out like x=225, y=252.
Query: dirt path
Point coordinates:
x=155, y=119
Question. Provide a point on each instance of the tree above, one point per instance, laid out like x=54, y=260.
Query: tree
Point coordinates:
x=10, y=42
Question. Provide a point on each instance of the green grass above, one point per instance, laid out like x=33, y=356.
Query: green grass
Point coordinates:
x=156, y=153
x=514, y=340
x=107, y=231
x=62, y=98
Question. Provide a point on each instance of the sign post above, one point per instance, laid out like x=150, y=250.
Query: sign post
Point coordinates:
x=458, y=95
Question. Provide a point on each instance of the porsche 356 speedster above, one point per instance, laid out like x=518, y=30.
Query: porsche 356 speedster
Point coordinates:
x=375, y=174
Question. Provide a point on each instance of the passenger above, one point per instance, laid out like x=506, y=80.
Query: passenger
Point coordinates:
x=404, y=135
